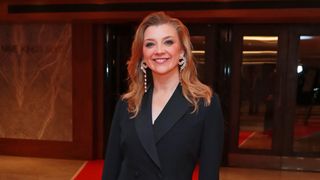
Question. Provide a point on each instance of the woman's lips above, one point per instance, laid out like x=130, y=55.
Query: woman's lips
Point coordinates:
x=160, y=60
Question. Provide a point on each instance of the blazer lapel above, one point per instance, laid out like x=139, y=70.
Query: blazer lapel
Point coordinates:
x=143, y=125
x=176, y=107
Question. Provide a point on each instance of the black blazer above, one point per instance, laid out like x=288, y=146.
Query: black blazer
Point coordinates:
x=169, y=149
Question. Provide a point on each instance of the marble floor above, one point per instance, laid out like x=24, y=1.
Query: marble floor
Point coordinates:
x=25, y=168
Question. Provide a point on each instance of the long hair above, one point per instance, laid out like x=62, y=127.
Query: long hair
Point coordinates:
x=193, y=90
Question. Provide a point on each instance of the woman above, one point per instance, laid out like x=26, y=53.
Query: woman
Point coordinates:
x=168, y=121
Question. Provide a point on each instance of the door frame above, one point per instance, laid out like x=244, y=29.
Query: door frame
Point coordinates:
x=256, y=157
x=281, y=156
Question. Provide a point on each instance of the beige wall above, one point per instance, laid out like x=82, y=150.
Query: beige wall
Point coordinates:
x=36, y=81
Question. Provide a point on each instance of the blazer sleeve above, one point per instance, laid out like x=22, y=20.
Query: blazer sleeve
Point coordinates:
x=212, y=141
x=113, y=156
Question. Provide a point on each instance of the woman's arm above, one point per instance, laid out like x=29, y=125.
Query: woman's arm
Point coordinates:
x=113, y=157
x=212, y=141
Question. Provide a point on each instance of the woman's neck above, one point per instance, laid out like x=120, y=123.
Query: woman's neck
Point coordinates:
x=167, y=82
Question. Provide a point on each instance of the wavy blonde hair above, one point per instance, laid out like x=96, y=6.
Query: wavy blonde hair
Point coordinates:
x=193, y=90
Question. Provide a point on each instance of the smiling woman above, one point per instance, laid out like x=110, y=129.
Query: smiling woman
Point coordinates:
x=163, y=127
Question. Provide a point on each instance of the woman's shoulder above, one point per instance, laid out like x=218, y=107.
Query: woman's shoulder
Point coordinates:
x=121, y=103
x=121, y=109
x=121, y=106
x=213, y=111
x=214, y=107
x=214, y=100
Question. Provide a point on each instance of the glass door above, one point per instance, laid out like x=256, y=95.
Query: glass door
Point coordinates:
x=306, y=98
x=203, y=39
x=257, y=76
x=306, y=133
x=275, y=97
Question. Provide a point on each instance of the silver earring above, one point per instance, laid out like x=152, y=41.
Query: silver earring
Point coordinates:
x=182, y=63
x=143, y=67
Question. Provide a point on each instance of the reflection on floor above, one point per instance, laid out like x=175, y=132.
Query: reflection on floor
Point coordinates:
x=16, y=168
x=260, y=174
x=307, y=135
x=256, y=133
x=255, y=140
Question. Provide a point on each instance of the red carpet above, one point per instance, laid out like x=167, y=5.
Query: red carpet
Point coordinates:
x=92, y=170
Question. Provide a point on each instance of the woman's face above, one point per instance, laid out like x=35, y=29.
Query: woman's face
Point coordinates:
x=162, y=49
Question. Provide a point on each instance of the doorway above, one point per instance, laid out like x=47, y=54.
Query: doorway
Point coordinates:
x=274, y=97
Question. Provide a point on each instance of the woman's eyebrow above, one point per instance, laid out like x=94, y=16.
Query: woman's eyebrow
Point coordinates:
x=149, y=39
x=167, y=37
x=152, y=39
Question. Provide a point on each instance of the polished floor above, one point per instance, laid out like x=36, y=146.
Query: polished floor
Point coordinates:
x=24, y=168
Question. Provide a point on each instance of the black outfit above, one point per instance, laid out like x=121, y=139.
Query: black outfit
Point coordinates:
x=170, y=148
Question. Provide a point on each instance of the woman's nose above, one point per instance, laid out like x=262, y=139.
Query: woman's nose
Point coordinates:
x=160, y=49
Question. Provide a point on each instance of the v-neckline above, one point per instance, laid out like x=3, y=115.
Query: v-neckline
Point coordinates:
x=164, y=107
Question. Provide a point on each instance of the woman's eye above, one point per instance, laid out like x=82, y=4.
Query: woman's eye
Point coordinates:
x=168, y=42
x=149, y=44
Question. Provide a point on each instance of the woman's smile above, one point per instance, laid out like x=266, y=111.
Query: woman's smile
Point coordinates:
x=160, y=60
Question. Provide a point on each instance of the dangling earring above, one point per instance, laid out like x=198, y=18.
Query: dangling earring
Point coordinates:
x=182, y=62
x=143, y=67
